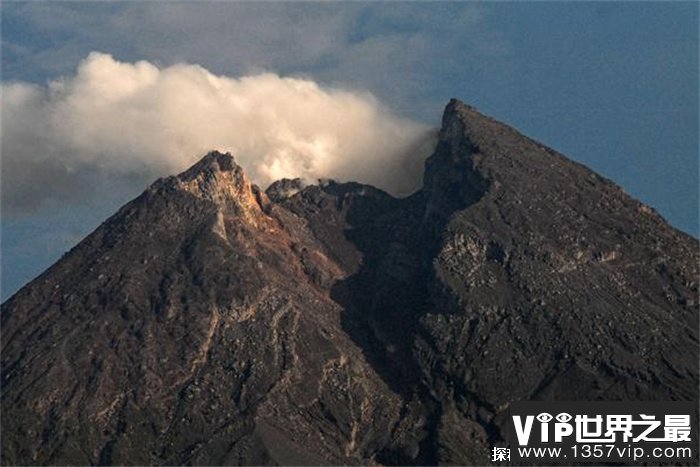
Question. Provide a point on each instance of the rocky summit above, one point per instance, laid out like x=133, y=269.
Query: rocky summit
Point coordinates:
x=211, y=322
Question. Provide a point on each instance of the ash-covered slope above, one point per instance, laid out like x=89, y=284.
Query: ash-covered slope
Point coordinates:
x=210, y=323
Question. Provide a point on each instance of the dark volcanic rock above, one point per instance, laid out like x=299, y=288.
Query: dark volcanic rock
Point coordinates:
x=208, y=322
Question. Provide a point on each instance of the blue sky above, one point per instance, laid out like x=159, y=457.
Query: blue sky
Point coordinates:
x=611, y=85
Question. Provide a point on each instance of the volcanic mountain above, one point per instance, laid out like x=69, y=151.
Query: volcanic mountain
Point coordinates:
x=210, y=322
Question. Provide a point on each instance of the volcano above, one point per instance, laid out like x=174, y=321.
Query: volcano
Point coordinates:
x=211, y=322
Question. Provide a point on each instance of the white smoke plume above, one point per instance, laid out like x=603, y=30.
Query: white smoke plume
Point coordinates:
x=135, y=119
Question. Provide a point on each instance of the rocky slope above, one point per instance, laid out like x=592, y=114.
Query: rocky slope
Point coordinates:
x=208, y=322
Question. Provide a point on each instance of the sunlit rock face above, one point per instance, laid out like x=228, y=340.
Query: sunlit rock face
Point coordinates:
x=209, y=322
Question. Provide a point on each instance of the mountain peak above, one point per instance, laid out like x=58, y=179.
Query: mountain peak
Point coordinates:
x=451, y=179
x=455, y=106
x=213, y=161
x=219, y=179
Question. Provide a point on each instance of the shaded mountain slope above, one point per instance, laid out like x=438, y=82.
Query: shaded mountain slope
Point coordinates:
x=208, y=322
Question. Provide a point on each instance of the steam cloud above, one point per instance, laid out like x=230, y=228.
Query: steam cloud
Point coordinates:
x=135, y=119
